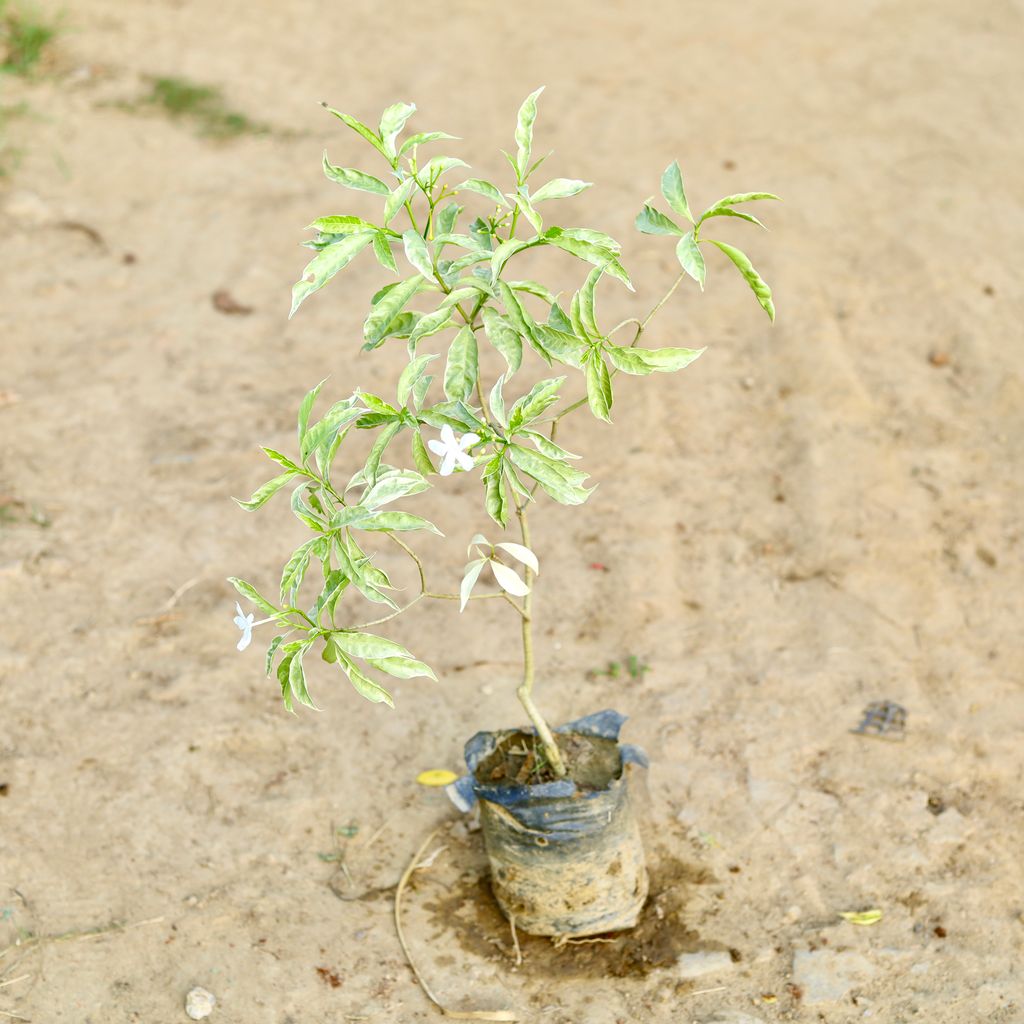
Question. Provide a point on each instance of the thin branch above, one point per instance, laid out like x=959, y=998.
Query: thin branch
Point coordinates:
x=403, y=882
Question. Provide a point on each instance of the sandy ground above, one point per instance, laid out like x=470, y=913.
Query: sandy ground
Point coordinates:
x=816, y=515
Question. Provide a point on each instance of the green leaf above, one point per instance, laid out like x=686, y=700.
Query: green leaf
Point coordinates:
x=365, y=686
x=524, y=133
x=367, y=645
x=351, y=178
x=342, y=225
x=398, y=198
x=527, y=210
x=323, y=435
x=361, y=129
x=455, y=414
x=520, y=319
x=271, y=651
x=297, y=680
x=559, y=188
x=411, y=374
x=282, y=677
x=562, y=346
x=673, y=191
x=496, y=400
x=691, y=259
x=400, y=522
x=392, y=121
x=642, y=361
x=750, y=275
x=461, y=369
x=447, y=218
x=250, y=593
x=420, y=138
x=534, y=288
x=547, y=446
x=306, y=406
x=281, y=460
x=302, y=511
x=530, y=406
x=402, y=668
x=590, y=235
x=503, y=336
x=420, y=455
x=440, y=165
x=599, y=387
x=264, y=493
x=360, y=575
x=505, y=252
x=431, y=323
x=384, y=438
x=483, y=188
x=586, y=293
x=495, y=500
x=393, y=485
x=734, y=200
x=325, y=264
x=420, y=389
x=558, y=480
x=651, y=222
x=382, y=250
x=558, y=320
x=598, y=255
x=417, y=253
x=295, y=568
x=388, y=306
x=728, y=211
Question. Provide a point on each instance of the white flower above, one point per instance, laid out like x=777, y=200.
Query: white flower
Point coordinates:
x=244, y=623
x=453, y=450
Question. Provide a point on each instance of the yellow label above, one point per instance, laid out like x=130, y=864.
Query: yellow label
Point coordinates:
x=436, y=777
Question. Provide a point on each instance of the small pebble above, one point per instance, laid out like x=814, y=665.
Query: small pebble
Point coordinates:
x=199, y=1003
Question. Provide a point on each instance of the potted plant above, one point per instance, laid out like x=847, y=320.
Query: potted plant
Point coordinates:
x=565, y=853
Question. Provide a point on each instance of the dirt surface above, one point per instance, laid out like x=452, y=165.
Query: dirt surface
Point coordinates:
x=815, y=515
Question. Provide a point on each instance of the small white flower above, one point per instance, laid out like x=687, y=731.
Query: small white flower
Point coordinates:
x=244, y=623
x=453, y=450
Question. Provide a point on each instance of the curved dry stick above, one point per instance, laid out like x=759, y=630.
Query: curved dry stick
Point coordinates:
x=490, y=1015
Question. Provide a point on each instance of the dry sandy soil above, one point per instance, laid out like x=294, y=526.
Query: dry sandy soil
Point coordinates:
x=816, y=515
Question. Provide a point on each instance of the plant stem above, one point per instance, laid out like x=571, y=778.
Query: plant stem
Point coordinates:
x=525, y=691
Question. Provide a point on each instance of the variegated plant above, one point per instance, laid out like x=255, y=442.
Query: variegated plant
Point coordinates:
x=458, y=286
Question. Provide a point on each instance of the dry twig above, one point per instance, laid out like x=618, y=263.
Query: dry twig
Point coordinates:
x=488, y=1015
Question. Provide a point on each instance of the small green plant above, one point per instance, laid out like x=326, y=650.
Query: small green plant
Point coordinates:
x=461, y=279
x=24, y=35
x=633, y=666
x=201, y=104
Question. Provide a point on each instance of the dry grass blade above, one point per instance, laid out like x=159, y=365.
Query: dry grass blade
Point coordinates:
x=490, y=1015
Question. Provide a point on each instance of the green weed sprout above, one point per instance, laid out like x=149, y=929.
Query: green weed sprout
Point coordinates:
x=460, y=282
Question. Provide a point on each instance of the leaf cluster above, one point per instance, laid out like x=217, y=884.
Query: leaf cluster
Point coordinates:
x=454, y=291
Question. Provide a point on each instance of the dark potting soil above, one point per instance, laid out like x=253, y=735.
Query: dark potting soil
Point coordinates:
x=593, y=762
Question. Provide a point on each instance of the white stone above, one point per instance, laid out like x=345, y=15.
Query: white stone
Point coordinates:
x=199, y=1003
x=826, y=975
x=696, y=965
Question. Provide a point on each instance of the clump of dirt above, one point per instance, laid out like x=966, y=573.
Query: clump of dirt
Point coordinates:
x=519, y=760
x=659, y=939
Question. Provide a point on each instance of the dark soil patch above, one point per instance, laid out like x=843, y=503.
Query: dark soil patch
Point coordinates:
x=469, y=910
x=519, y=760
